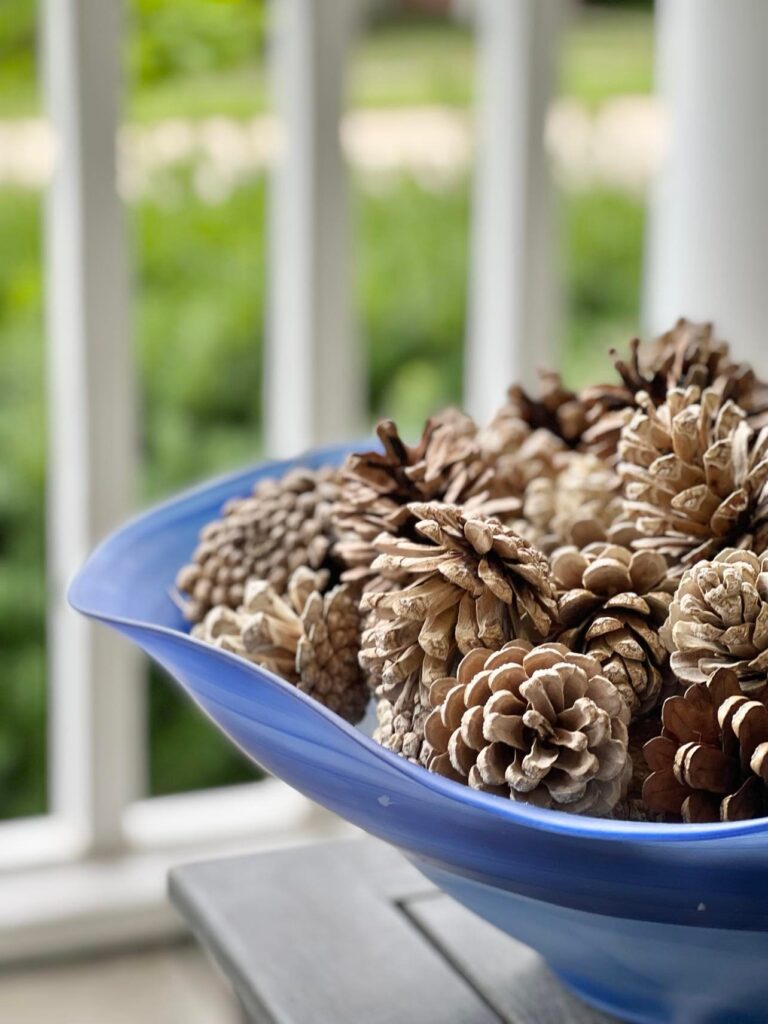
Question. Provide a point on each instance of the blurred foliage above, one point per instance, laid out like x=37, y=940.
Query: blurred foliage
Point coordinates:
x=22, y=527
x=186, y=37
x=200, y=58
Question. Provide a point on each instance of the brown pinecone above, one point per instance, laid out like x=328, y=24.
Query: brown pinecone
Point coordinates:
x=719, y=619
x=612, y=602
x=711, y=761
x=589, y=420
x=284, y=524
x=690, y=354
x=446, y=465
x=540, y=725
x=695, y=477
x=306, y=636
x=401, y=720
x=632, y=806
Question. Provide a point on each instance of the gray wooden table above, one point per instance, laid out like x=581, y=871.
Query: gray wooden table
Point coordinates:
x=350, y=933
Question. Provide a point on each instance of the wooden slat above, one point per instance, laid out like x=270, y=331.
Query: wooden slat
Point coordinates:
x=708, y=238
x=97, y=758
x=513, y=300
x=313, y=377
x=349, y=931
x=517, y=984
x=304, y=936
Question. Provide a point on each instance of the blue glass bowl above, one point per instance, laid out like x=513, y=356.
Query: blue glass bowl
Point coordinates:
x=648, y=922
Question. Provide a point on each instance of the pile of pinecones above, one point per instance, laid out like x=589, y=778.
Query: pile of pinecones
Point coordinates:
x=567, y=607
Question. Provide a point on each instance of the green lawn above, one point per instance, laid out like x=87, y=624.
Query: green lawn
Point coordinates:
x=607, y=53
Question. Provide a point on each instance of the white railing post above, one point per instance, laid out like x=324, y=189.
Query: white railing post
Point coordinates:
x=313, y=383
x=97, y=723
x=707, y=252
x=512, y=296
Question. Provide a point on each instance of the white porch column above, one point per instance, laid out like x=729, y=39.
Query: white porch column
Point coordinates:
x=512, y=301
x=97, y=724
x=313, y=365
x=707, y=253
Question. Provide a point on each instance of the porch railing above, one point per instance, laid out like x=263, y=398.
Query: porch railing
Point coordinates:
x=99, y=857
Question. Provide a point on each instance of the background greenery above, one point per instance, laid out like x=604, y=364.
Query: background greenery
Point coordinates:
x=199, y=285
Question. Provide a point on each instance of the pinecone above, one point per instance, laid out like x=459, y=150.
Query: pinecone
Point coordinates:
x=284, y=524
x=446, y=465
x=632, y=807
x=689, y=354
x=589, y=420
x=540, y=456
x=719, y=619
x=612, y=602
x=711, y=761
x=476, y=583
x=579, y=505
x=540, y=725
x=308, y=637
x=401, y=720
x=695, y=477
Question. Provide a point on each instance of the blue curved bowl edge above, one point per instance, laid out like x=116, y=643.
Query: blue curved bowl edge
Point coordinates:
x=521, y=814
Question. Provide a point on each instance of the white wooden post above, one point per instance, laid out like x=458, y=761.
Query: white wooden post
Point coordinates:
x=707, y=254
x=96, y=697
x=313, y=365
x=512, y=300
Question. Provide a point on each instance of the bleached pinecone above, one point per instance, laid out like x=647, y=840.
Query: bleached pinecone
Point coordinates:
x=612, y=602
x=447, y=464
x=695, y=477
x=711, y=761
x=540, y=458
x=541, y=725
x=475, y=582
x=580, y=505
x=308, y=636
x=719, y=619
x=283, y=524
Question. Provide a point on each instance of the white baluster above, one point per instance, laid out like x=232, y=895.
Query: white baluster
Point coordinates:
x=513, y=301
x=313, y=366
x=707, y=254
x=97, y=724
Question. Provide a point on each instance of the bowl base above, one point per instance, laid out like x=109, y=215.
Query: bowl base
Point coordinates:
x=638, y=972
